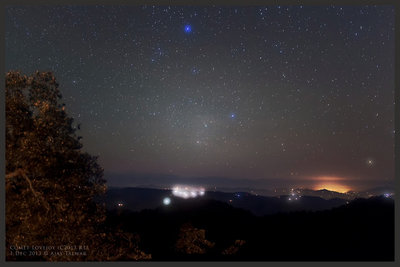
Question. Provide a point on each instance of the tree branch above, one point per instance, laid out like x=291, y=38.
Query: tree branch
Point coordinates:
x=21, y=172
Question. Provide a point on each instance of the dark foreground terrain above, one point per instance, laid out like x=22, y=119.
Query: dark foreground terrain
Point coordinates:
x=205, y=229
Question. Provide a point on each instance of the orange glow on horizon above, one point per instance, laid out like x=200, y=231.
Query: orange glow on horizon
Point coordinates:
x=341, y=188
x=331, y=183
x=328, y=178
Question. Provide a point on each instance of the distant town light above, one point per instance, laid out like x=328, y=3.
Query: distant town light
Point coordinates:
x=187, y=191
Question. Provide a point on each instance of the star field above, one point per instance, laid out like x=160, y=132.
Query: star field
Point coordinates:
x=288, y=92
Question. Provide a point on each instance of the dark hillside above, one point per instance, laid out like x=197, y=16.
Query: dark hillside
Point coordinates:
x=361, y=230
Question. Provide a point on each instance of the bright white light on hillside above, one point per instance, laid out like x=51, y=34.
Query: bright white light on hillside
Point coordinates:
x=184, y=191
x=167, y=201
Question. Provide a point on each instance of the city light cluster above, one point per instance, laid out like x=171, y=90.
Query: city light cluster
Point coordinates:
x=294, y=195
x=187, y=191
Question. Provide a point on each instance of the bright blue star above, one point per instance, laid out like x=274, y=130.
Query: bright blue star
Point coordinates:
x=233, y=115
x=188, y=28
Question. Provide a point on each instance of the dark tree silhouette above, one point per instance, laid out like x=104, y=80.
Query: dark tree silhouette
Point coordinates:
x=51, y=184
x=192, y=240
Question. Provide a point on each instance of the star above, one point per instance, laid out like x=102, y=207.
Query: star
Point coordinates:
x=370, y=162
x=188, y=28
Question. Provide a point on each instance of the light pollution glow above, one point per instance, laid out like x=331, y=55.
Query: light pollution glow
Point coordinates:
x=332, y=187
x=184, y=191
x=331, y=183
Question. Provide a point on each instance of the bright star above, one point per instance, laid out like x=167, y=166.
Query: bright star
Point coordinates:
x=233, y=115
x=188, y=29
x=370, y=162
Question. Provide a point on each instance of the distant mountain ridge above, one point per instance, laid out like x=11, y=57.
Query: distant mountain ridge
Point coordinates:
x=265, y=187
x=362, y=230
x=136, y=199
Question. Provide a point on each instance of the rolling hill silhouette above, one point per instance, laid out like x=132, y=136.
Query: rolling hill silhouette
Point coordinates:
x=361, y=230
x=136, y=199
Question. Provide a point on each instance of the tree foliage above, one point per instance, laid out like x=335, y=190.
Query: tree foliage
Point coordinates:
x=192, y=240
x=234, y=248
x=51, y=184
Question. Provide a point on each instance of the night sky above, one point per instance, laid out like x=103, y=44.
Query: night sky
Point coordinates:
x=291, y=94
